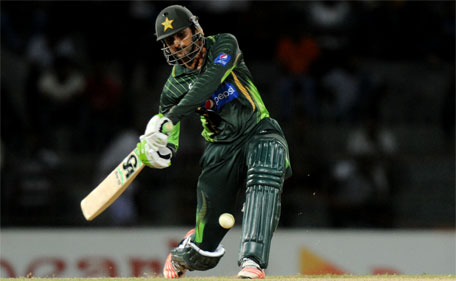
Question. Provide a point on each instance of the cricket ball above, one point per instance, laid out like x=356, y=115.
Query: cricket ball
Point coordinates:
x=226, y=220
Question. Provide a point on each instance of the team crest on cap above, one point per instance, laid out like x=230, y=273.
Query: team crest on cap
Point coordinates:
x=167, y=24
x=222, y=59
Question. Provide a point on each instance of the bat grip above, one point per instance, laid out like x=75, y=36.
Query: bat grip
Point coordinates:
x=167, y=127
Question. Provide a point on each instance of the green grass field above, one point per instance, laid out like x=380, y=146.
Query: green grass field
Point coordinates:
x=270, y=278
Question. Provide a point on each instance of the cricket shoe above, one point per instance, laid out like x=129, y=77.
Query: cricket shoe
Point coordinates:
x=250, y=270
x=172, y=269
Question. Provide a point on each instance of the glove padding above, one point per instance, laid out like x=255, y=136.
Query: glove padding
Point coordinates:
x=157, y=130
x=159, y=158
x=191, y=257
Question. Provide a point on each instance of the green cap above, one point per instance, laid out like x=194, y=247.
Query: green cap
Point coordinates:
x=173, y=19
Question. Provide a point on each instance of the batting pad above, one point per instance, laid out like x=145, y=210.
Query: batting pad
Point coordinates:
x=265, y=176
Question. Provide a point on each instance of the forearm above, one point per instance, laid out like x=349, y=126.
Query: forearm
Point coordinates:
x=200, y=92
x=222, y=60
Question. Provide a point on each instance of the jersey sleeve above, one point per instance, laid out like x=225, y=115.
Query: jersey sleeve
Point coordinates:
x=166, y=103
x=224, y=55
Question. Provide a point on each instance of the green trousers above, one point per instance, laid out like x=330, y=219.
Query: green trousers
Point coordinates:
x=224, y=174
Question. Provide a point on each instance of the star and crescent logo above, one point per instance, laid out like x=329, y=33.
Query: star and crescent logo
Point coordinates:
x=167, y=24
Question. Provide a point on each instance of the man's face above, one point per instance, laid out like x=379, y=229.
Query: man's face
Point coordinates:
x=180, y=44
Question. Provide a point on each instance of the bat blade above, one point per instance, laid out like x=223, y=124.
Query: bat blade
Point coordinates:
x=112, y=186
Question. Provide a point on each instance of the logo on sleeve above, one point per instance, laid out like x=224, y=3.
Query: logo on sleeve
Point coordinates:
x=226, y=93
x=222, y=59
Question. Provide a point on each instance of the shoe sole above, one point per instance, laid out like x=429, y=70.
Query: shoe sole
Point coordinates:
x=251, y=273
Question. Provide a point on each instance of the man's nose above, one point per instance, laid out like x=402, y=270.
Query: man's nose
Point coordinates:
x=177, y=42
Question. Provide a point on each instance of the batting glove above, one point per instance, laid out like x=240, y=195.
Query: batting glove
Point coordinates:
x=154, y=158
x=157, y=130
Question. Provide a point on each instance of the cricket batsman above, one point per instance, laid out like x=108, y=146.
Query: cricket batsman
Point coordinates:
x=245, y=147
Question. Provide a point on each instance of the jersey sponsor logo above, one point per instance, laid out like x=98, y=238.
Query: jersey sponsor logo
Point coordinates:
x=226, y=93
x=222, y=59
x=209, y=104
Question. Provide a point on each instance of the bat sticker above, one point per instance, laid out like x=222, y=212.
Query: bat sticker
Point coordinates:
x=130, y=165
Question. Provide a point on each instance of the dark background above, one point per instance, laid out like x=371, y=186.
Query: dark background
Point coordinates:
x=364, y=90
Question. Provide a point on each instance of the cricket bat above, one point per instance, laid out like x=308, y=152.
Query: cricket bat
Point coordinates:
x=112, y=186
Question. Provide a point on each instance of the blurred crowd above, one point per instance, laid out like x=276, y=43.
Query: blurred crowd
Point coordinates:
x=363, y=89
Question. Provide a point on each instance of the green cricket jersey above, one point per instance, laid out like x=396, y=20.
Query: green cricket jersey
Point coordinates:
x=221, y=92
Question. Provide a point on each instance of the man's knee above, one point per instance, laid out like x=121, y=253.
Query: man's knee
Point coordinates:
x=267, y=163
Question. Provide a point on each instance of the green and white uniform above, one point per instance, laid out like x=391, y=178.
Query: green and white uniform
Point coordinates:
x=245, y=147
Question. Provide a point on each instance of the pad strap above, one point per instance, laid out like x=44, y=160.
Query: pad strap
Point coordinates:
x=191, y=257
